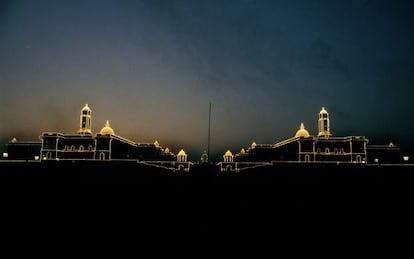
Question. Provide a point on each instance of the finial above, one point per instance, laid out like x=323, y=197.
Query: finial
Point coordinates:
x=107, y=123
x=302, y=126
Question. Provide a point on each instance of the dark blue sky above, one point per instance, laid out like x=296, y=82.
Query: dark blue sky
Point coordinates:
x=152, y=67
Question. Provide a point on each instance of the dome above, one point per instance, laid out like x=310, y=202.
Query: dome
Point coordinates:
x=242, y=151
x=156, y=143
x=204, y=157
x=228, y=153
x=86, y=108
x=323, y=111
x=107, y=130
x=182, y=153
x=253, y=144
x=302, y=132
x=166, y=150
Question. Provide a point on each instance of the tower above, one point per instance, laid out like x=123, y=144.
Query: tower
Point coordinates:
x=324, y=123
x=85, y=120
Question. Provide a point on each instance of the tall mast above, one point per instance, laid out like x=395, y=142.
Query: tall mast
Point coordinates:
x=209, y=127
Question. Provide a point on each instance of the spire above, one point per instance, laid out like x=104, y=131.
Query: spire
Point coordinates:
x=302, y=126
x=107, y=124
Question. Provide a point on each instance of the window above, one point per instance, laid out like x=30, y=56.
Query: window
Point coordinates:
x=318, y=150
x=327, y=150
x=307, y=158
x=66, y=148
x=228, y=168
x=358, y=159
x=90, y=148
x=342, y=151
x=81, y=148
x=102, y=156
x=72, y=148
x=336, y=151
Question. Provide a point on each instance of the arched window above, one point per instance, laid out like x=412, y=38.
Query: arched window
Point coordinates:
x=318, y=150
x=81, y=148
x=307, y=158
x=336, y=151
x=66, y=148
x=102, y=156
x=327, y=150
x=228, y=168
x=49, y=155
x=90, y=148
x=358, y=158
x=72, y=148
x=342, y=151
x=181, y=167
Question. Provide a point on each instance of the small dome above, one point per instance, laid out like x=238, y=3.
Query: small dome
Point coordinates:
x=253, y=144
x=156, y=143
x=182, y=153
x=166, y=150
x=242, y=151
x=228, y=153
x=204, y=157
x=323, y=110
x=14, y=140
x=107, y=130
x=302, y=132
x=86, y=108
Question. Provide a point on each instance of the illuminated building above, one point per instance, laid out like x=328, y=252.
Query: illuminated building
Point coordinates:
x=306, y=148
x=106, y=146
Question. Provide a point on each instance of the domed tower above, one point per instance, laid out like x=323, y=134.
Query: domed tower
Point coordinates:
x=85, y=120
x=302, y=132
x=182, y=156
x=228, y=157
x=204, y=157
x=324, y=123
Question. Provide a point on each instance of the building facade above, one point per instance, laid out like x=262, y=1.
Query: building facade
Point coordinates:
x=306, y=148
x=106, y=146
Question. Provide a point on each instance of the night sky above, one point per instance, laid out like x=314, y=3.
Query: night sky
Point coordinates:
x=152, y=67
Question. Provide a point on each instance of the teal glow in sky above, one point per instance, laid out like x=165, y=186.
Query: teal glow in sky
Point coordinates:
x=152, y=67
